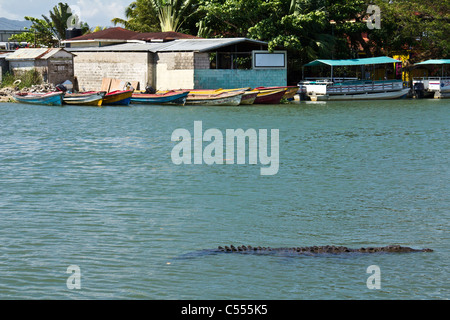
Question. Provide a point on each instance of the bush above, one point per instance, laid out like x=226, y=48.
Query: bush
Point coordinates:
x=27, y=79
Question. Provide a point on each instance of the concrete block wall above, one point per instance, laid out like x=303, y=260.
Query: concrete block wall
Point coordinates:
x=176, y=60
x=174, y=70
x=227, y=79
x=201, y=61
x=60, y=70
x=91, y=67
x=167, y=79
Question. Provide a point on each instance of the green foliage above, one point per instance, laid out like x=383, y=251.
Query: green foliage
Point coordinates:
x=422, y=25
x=47, y=31
x=156, y=15
x=40, y=32
x=141, y=16
x=27, y=79
x=61, y=17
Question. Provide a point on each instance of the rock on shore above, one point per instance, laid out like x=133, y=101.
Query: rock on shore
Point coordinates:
x=6, y=93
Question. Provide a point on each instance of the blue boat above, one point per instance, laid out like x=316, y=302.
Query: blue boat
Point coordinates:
x=171, y=97
x=47, y=99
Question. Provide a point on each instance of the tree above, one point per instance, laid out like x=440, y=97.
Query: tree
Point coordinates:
x=234, y=18
x=38, y=34
x=420, y=26
x=47, y=31
x=61, y=17
x=157, y=15
x=141, y=16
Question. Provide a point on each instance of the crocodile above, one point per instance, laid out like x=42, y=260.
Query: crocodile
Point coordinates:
x=312, y=250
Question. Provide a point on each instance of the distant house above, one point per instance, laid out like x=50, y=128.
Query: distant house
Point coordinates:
x=8, y=28
x=112, y=36
x=169, y=60
x=55, y=64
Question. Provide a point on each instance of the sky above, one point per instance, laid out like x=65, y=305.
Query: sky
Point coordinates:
x=94, y=12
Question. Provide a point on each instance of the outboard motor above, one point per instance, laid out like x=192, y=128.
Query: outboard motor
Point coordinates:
x=419, y=90
x=61, y=87
x=149, y=90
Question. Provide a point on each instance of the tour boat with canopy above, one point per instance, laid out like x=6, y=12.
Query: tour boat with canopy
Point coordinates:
x=346, y=88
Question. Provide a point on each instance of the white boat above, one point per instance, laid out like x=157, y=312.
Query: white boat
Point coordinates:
x=428, y=87
x=367, y=95
x=328, y=89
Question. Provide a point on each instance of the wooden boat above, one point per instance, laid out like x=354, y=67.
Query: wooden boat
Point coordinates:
x=174, y=97
x=90, y=98
x=249, y=97
x=269, y=96
x=118, y=98
x=221, y=99
x=291, y=91
x=48, y=99
x=209, y=91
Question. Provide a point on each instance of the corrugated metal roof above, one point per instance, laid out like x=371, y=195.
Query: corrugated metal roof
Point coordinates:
x=352, y=62
x=202, y=45
x=436, y=61
x=25, y=54
x=33, y=53
x=125, y=47
x=197, y=45
x=163, y=36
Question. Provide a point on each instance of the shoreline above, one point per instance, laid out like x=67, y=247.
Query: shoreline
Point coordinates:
x=5, y=99
x=6, y=93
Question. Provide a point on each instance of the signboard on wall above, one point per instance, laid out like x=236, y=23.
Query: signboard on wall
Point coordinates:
x=269, y=60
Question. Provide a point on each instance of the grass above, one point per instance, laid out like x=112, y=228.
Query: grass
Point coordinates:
x=27, y=79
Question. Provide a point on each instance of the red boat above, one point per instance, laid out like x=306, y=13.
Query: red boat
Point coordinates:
x=269, y=96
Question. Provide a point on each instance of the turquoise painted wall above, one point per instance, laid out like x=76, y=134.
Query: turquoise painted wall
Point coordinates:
x=227, y=79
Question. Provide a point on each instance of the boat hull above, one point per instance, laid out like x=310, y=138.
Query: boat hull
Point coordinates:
x=291, y=91
x=269, y=97
x=85, y=99
x=248, y=98
x=362, y=96
x=117, y=98
x=223, y=99
x=47, y=99
x=160, y=99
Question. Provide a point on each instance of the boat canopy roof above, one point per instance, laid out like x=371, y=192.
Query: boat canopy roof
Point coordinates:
x=352, y=62
x=437, y=61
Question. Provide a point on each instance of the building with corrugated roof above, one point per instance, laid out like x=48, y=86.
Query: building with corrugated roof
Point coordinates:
x=55, y=64
x=117, y=35
x=168, y=61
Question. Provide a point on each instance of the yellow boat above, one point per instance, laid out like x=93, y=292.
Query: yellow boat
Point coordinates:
x=291, y=91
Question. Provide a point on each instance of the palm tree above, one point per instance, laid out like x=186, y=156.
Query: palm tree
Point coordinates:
x=170, y=14
x=61, y=17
